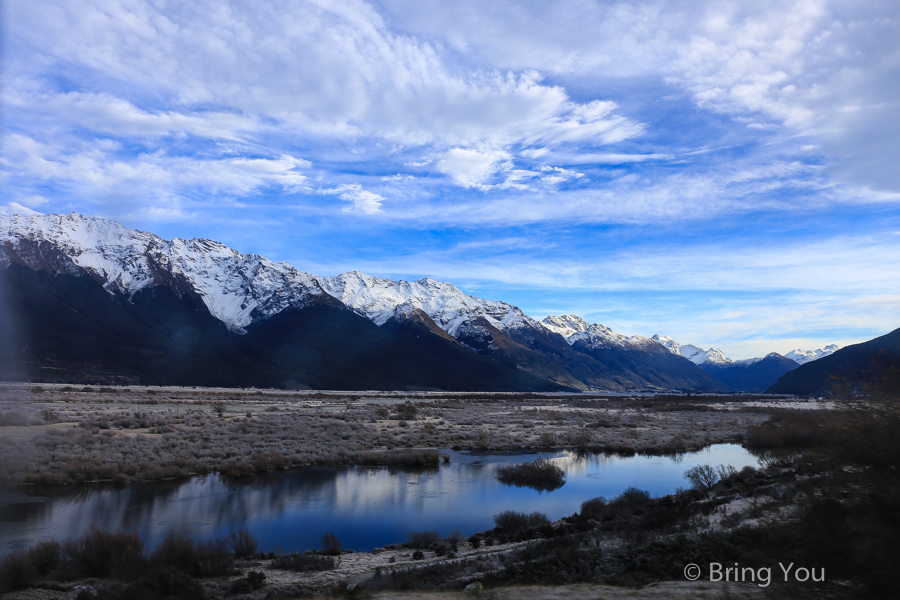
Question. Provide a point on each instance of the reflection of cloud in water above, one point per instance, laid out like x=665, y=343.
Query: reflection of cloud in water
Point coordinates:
x=366, y=507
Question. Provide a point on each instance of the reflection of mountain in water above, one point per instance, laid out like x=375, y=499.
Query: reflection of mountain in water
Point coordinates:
x=366, y=507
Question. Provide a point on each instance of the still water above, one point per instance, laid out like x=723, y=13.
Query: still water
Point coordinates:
x=364, y=507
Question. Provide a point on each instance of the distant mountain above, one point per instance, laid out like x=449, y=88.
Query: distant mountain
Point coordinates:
x=751, y=375
x=696, y=355
x=851, y=365
x=93, y=300
x=656, y=366
x=746, y=375
x=801, y=357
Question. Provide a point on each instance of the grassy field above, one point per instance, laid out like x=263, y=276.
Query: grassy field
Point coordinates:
x=64, y=434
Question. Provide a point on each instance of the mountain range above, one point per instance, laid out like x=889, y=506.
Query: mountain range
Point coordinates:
x=87, y=299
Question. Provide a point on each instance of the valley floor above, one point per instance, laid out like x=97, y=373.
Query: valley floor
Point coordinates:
x=823, y=498
x=55, y=434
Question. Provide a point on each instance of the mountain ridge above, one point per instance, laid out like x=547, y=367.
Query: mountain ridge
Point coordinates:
x=242, y=291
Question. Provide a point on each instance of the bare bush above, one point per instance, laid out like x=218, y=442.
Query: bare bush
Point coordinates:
x=303, y=563
x=16, y=572
x=98, y=553
x=510, y=522
x=214, y=558
x=594, y=508
x=242, y=543
x=45, y=556
x=702, y=477
x=177, y=552
x=422, y=539
x=331, y=544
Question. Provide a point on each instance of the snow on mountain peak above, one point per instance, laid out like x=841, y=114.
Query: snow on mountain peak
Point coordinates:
x=804, y=356
x=575, y=330
x=696, y=355
x=565, y=325
x=240, y=289
x=236, y=288
x=447, y=305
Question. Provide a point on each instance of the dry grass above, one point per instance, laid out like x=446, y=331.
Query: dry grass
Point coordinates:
x=66, y=435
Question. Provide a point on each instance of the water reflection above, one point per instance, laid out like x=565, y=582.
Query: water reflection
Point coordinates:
x=366, y=507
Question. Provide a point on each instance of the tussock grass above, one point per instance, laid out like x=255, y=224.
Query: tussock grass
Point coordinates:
x=542, y=475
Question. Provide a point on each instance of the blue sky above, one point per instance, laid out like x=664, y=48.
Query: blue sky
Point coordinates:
x=721, y=172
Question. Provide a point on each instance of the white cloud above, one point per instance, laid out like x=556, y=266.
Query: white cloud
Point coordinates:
x=471, y=168
x=96, y=169
x=326, y=70
x=362, y=201
x=110, y=115
x=826, y=69
x=14, y=208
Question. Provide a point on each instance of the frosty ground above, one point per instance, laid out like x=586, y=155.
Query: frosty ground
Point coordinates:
x=66, y=434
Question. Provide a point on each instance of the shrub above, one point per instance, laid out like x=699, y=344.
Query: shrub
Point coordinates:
x=702, y=477
x=242, y=543
x=45, y=556
x=542, y=475
x=177, y=552
x=594, y=508
x=456, y=536
x=98, y=553
x=214, y=558
x=726, y=472
x=303, y=563
x=632, y=497
x=418, y=555
x=405, y=456
x=16, y=572
x=422, y=539
x=475, y=541
x=170, y=584
x=510, y=522
x=256, y=579
x=331, y=545
x=406, y=411
x=582, y=439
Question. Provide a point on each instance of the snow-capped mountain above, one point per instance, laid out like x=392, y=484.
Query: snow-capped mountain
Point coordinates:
x=593, y=336
x=566, y=325
x=696, y=355
x=802, y=357
x=421, y=333
x=236, y=288
x=449, y=307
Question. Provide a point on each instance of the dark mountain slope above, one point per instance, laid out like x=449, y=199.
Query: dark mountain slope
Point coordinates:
x=556, y=362
x=850, y=365
x=70, y=329
x=755, y=377
x=653, y=368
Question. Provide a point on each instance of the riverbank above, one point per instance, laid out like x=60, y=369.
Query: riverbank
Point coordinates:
x=63, y=434
x=631, y=546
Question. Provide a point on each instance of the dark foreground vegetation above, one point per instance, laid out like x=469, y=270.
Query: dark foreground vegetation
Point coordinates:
x=825, y=498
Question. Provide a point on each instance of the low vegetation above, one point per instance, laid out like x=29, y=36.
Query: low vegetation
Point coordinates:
x=65, y=434
x=542, y=475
